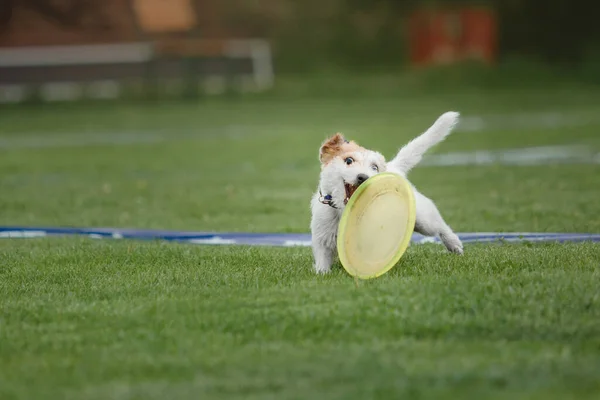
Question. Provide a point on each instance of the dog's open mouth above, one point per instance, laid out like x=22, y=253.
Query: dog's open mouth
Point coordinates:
x=350, y=189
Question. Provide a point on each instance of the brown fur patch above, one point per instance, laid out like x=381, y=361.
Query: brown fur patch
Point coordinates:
x=336, y=146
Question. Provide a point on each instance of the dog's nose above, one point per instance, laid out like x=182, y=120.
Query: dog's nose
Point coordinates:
x=361, y=178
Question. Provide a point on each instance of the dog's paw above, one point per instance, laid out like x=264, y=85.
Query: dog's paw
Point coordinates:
x=452, y=243
x=458, y=249
x=322, y=269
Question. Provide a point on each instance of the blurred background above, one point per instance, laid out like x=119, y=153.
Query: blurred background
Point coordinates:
x=242, y=93
x=116, y=47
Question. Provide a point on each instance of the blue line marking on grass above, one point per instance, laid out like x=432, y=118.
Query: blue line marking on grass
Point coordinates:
x=268, y=239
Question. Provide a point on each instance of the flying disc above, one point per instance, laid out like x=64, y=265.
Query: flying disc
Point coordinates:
x=376, y=226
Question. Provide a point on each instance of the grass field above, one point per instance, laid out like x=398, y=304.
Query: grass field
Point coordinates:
x=85, y=319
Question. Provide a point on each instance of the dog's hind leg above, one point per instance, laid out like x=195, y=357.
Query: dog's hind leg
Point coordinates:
x=430, y=223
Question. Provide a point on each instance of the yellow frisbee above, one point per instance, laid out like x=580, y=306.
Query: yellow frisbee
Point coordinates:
x=376, y=226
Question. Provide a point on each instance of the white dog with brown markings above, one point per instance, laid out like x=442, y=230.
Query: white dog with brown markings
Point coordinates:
x=345, y=165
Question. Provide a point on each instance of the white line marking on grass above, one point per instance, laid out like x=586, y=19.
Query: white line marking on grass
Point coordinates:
x=22, y=234
x=524, y=156
x=213, y=240
x=294, y=243
x=90, y=139
x=42, y=141
x=467, y=124
x=546, y=120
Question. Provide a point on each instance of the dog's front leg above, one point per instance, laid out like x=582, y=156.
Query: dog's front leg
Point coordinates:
x=324, y=256
x=323, y=228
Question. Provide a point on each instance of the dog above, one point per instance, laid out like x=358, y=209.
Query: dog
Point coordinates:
x=345, y=166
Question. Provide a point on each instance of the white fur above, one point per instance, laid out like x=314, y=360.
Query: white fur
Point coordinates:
x=411, y=154
x=325, y=219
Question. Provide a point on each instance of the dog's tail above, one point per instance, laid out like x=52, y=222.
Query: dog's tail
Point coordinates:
x=411, y=154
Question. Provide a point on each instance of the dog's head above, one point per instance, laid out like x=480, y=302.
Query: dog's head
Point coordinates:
x=345, y=166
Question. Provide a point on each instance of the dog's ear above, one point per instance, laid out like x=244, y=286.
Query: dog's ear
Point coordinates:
x=331, y=147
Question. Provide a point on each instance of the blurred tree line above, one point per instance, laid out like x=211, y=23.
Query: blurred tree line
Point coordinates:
x=70, y=14
x=355, y=33
x=363, y=32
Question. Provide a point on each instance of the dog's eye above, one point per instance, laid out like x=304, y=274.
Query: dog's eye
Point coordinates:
x=374, y=167
x=349, y=160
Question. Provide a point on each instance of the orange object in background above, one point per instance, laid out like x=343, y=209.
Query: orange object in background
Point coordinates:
x=447, y=36
x=159, y=16
x=480, y=38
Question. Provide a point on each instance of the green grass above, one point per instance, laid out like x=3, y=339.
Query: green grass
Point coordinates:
x=87, y=319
